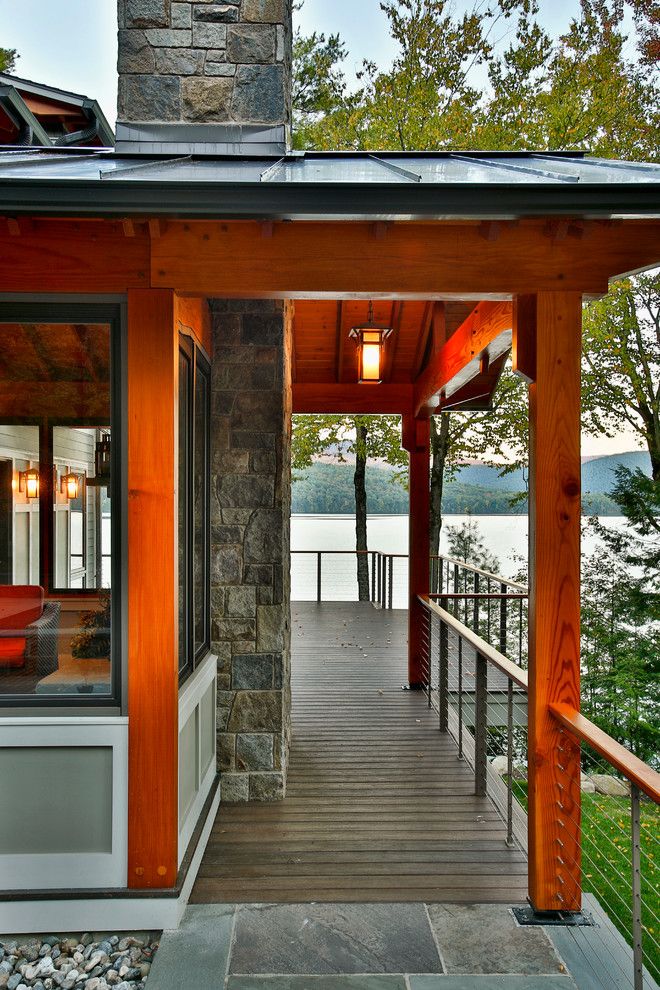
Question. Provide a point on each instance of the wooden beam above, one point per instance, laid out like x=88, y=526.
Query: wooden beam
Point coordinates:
x=326, y=397
x=485, y=323
x=478, y=394
x=554, y=600
x=428, y=326
x=416, y=436
x=153, y=819
x=392, y=342
x=344, y=260
x=523, y=343
x=65, y=256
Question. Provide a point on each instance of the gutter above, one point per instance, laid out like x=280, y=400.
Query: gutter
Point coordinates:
x=324, y=201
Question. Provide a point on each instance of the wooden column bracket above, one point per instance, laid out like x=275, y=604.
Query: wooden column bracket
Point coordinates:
x=523, y=353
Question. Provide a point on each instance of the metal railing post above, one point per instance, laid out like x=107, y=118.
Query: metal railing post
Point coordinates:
x=443, y=678
x=460, y=698
x=480, y=723
x=318, y=577
x=475, y=619
x=509, y=765
x=638, y=952
x=456, y=590
x=391, y=582
x=503, y=618
x=373, y=575
x=380, y=586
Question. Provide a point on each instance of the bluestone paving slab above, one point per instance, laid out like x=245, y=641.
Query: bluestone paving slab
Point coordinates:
x=485, y=938
x=491, y=982
x=316, y=983
x=333, y=938
x=196, y=954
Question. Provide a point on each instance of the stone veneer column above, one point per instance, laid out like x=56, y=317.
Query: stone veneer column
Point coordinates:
x=199, y=61
x=251, y=504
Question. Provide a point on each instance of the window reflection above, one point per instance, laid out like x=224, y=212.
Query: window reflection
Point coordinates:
x=55, y=528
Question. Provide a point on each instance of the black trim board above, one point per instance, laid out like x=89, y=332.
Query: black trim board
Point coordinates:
x=324, y=201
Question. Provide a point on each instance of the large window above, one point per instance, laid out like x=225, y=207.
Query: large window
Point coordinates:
x=59, y=493
x=194, y=507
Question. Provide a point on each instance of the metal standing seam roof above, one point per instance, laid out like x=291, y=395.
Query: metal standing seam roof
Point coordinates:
x=331, y=185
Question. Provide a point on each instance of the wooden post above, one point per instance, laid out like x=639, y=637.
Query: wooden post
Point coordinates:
x=548, y=329
x=152, y=590
x=416, y=440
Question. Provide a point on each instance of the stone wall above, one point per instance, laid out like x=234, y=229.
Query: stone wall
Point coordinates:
x=251, y=502
x=201, y=61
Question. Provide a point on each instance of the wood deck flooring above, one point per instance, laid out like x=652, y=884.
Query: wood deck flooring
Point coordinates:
x=378, y=806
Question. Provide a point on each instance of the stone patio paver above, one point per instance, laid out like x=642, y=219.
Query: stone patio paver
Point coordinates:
x=333, y=938
x=485, y=938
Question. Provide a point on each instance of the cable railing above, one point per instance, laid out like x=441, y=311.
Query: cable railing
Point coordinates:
x=480, y=697
x=493, y=606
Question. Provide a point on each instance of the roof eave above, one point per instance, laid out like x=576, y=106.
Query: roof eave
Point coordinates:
x=325, y=201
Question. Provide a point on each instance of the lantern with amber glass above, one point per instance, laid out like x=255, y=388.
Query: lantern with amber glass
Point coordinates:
x=28, y=483
x=70, y=486
x=370, y=338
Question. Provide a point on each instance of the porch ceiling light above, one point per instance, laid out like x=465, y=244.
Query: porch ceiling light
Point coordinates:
x=70, y=485
x=28, y=483
x=370, y=338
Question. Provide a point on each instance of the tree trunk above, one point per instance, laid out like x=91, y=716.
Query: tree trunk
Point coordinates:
x=439, y=451
x=361, y=513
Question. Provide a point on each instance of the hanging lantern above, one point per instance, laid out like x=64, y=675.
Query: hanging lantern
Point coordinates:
x=70, y=485
x=28, y=483
x=370, y=339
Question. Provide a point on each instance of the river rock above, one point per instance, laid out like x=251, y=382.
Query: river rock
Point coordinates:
x=86, y=939
x=605, y=783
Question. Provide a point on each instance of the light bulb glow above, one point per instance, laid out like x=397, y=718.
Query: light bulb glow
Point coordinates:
x=28, y=483
x=71, y=486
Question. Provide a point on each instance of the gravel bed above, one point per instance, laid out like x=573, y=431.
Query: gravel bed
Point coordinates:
x=76, y=962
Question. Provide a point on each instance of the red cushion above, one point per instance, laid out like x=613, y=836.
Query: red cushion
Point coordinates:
x=20, y=604
x=12, y=652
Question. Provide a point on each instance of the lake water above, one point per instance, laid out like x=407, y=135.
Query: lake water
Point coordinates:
x=505, y=536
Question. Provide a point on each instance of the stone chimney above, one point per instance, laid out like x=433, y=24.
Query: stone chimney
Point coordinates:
x=200, y=76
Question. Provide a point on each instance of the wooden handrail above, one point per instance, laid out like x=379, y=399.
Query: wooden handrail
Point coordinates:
x=512, y=670
x=477, y=570
x=451, y=560
x=636, y=771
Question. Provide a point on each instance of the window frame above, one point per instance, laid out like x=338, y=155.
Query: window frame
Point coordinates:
x=110, y=314
x=198, y=364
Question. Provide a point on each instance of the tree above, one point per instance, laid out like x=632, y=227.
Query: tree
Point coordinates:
x=466, y=543
x=451, y=85
x=621, y=619
x=8, y=58
x=363, y=437
x=621, y=369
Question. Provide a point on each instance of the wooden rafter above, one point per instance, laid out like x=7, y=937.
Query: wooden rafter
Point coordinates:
x=487, y=322
x=392, y=343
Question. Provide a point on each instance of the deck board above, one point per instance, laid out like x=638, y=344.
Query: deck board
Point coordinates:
x=378, y=806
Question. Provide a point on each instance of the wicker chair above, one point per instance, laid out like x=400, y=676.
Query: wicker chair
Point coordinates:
x=28, y=632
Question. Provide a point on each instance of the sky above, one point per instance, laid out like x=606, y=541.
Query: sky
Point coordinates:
x=72, y=44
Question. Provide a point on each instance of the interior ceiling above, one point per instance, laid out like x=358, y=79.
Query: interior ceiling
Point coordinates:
x=324, y=352
x=60, y=352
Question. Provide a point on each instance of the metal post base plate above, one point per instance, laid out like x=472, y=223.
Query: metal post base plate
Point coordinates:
x=565, y=919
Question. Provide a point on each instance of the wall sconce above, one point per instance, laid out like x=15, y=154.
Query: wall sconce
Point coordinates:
x=102, y=463
x=370, y=338
x=28, y=483
x=70, y=485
